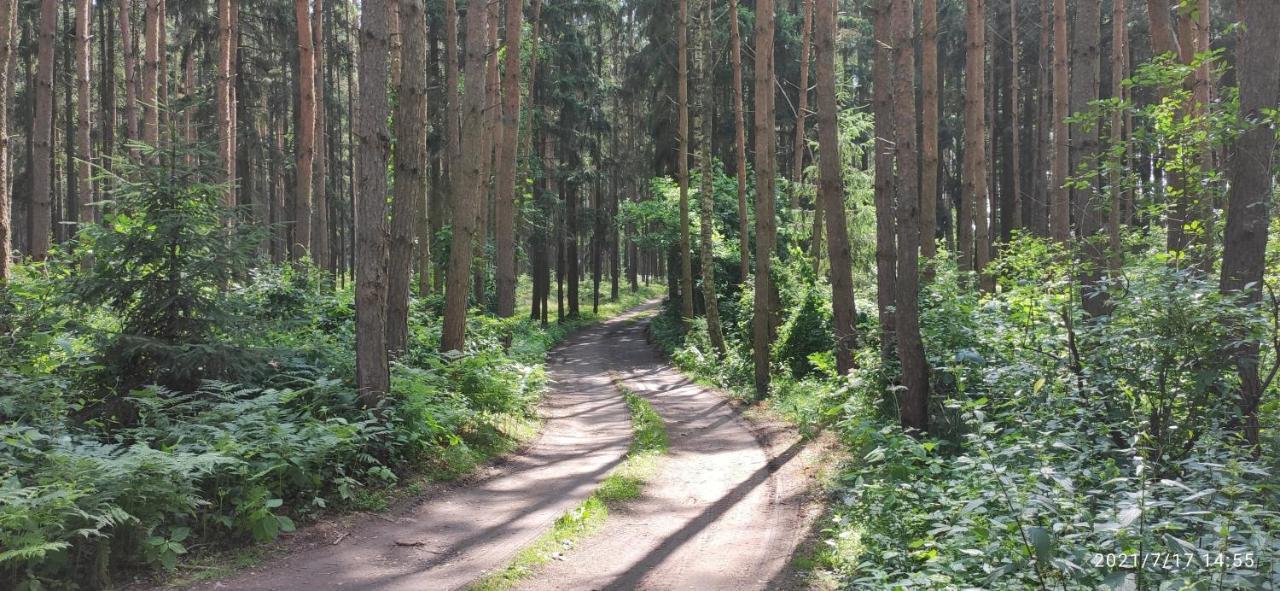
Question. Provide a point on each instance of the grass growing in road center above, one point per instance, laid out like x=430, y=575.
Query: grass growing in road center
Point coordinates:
x=626, y=482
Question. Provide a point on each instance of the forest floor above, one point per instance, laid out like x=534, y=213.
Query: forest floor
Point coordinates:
x=728, y=507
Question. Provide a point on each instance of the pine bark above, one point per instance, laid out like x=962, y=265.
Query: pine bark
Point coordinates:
x=225, y=99
x=41, y=214
x=151, y=73
x=465, y=184
x=802, y=103
x=410, y=170
x=373, y=377
x=1014, y=217
x=682, y=164
x=708, y=200
x=84, y=126
x=765, y=165
x=913, y=400
x=740, y=145
x=319, y=186
x=8, y=24
x=929, y=131
x=505, y=196
x=1250, y=170
x=976, y=190
x=831, y=187
x=453, y=100
x=886, y=241
x=304, y=154
x=130, y=70
x=1119, y=70
x=1059, y=194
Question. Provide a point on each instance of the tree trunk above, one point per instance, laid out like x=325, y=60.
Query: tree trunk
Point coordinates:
x=8, y=23
x=1014, y=216
x=1250, y=171
x=151, y=74
x=740, y=146
x=1038, y=208
x=976, y=196
x=453, y=102
x=491, y=139
x=705, y=73
x=682, y=165
x=410, y=170
x=130, y=70
x=373, y=377
x=831, y=187
x=465, y=185
x=41, y=214
x=765, y=164
x=802, y=104
x=84, y=126
x=319, y=186
x=913, y=400
x=1119, y=70
x=1060, y=195
x=225, y=100
x=305, y=137
x=929, y=134
x=886, y=242
x=505, y=194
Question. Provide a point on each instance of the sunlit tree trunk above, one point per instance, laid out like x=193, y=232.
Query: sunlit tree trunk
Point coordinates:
x=1014, y=217
x=453, y=101
x=802, y=103
x=705, y=73
x=151, y=73
x=682, y=165
x=929, y=132
x=913, y=400
x=765, y=164
x=410, y=169
x=373, y=377
x=976, y=196
x=1059, y=194
x=886, y=241
x=465, y=183
x=1251, y=173
x=225, y=99
x=491, y=138
x=505, y=192
x=8, y=23
x=1119, y=70
x=84, y=126
x=831, y=187
x=130, y=70
x=319, y=186
x=740, y=145
x=41, y=214
x=305, y=141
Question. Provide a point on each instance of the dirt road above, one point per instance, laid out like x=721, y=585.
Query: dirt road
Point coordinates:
x=724, y=512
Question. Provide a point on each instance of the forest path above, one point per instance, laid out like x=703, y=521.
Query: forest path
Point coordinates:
x=726, y=509
x=452, y=536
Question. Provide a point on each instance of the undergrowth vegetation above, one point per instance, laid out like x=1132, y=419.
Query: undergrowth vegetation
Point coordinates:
x=1067, y=452
x=175, y=400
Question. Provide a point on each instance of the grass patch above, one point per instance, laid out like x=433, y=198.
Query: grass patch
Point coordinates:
x=626, y=482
